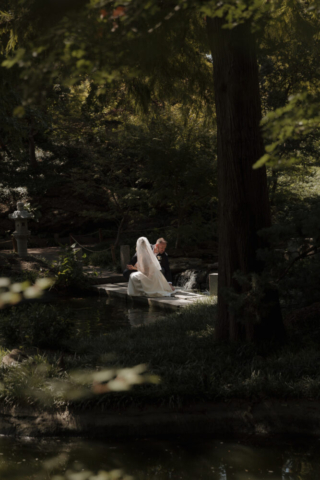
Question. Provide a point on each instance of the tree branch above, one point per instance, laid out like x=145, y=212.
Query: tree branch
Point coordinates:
x=308, y=253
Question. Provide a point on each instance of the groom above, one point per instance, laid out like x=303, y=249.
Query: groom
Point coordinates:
x=159, y=250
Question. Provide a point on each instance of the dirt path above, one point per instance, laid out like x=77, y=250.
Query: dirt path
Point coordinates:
x=49, y=253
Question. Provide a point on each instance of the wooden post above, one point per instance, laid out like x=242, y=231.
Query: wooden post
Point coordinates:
x=100, y=235
x=124, y=256
x=14, y=245
x=71, y=242
x=213, y=284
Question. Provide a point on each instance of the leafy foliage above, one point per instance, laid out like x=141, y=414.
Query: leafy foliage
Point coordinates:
x=153, y=168
x=12, y=293
x=70, y=272
x=296, y=123
x=114, y=103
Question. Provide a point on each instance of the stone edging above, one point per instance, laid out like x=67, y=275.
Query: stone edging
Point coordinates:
x=268, y=417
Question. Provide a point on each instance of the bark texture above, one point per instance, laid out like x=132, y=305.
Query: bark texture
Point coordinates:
x=243, y=195
x=32, y=146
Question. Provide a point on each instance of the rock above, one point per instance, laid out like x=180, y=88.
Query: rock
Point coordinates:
x=181, y=264
x=191, y=279
x=202, y=276
x=213, y=266
x=195, y=278
x=14, y=357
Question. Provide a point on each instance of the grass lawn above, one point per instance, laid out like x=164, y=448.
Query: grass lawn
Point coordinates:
x=181, y=351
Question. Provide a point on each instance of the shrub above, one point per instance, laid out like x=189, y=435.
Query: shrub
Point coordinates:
x=70, y=272
x=36, y=325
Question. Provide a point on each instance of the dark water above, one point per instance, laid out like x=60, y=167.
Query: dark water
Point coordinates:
x=158, y=460
x=98, y=315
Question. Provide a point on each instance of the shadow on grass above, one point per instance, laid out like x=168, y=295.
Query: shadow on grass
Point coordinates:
x=192, y=366
x=182, y=351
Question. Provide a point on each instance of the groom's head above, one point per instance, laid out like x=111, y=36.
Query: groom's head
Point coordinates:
x=161, y=244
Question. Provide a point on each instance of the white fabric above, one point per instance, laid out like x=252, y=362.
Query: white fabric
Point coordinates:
x=148, y=280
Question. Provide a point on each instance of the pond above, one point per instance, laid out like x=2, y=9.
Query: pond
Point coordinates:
x=99, y=315
x=186, y=459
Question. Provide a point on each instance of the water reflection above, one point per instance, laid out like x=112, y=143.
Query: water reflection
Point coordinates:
x=138, y=317
x=99, y=315
x=160, y=460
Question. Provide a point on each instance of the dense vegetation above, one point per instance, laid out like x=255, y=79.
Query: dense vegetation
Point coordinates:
x=184, y=364
x=110, y=118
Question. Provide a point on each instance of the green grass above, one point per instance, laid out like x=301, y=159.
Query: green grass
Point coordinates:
x=181, y=350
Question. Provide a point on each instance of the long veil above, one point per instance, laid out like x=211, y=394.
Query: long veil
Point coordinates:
x=147, y=261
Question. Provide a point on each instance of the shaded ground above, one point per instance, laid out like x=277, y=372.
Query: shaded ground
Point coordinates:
x=40, y=261
x=11, y=265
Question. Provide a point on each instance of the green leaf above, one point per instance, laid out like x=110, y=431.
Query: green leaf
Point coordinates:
x=19, y=112
x=262, y=161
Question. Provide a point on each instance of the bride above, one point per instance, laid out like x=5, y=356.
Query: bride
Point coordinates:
x=148, y=280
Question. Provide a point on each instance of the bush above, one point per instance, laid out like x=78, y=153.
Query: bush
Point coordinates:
x=36, y=325
x=70, y=272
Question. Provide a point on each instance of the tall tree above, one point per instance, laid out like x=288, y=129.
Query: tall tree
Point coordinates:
x=243, y=196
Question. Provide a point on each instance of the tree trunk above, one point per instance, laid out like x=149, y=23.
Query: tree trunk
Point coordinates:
x=178, y=233
x=32, y=147
x=243, y=197
x=274, y=185
x=119, y=232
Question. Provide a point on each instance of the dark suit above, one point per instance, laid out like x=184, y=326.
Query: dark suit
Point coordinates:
x=164, y=263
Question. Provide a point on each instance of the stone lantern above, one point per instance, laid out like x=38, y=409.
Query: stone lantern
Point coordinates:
x=21, y=234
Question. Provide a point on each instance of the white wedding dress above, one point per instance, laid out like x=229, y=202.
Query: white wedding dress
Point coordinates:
x=148, y=280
